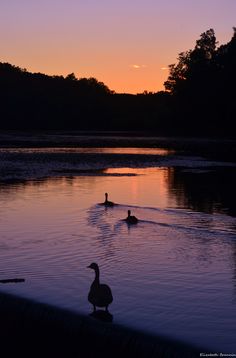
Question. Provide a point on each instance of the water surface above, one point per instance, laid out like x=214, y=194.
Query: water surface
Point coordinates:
x=174, y=273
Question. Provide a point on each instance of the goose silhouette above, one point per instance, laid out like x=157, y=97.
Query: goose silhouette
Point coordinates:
x=107, y=202
x=100, y=295
x=131, y=219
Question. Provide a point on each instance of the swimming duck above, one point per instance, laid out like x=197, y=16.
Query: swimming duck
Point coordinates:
x=131, y=219
x=107, y=202
x=100, y=295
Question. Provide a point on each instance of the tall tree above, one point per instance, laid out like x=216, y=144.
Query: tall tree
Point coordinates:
x=193, y=63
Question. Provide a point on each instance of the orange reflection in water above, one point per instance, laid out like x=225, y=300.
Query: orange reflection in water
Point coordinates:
x=147, y=186
x=46, y=200
x=149, y=151
x=52, y=229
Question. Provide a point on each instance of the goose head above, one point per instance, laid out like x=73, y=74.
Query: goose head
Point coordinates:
x=93, y=266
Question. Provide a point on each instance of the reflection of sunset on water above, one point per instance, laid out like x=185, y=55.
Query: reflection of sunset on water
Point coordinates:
x=117, y=150
x=51, y=229
x=147, y=187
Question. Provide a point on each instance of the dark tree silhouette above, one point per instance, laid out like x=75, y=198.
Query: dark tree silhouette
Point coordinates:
x=200, y=98
x=201, y=85
x=192, y=63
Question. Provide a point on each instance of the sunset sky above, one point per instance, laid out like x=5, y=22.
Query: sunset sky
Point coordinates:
x=127, y=44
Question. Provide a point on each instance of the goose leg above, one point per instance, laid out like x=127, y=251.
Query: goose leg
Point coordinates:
x=94, y=308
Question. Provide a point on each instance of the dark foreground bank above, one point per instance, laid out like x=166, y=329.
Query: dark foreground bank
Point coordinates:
x=38, y=330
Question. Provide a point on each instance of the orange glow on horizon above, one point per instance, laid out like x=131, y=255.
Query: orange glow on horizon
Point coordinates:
x=126, y=79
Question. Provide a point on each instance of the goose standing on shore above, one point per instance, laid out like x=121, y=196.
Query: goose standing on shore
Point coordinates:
x=100, y=295
x=131, y=219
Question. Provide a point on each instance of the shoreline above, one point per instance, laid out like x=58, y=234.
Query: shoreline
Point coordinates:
x=214, y=148
x=22, y=166
x=56, y=332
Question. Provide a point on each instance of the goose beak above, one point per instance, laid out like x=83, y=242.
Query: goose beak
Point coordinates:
x=89, y=266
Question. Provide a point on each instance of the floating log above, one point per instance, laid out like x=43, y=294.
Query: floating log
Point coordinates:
x=13, y=280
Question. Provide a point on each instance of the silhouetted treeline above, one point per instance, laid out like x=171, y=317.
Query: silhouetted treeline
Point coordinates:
x=202, y=85
x=200, y=98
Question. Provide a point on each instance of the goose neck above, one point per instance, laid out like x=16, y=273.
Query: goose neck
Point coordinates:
x=97, y=274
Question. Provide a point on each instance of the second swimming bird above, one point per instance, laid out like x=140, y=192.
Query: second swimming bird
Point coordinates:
x=131, y=219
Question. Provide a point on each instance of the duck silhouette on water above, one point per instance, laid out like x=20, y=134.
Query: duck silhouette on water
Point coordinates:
x=100, y=295
x=131, y=219
x=107, y=202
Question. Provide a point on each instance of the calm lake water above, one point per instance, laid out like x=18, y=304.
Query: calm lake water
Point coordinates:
x=174, y=273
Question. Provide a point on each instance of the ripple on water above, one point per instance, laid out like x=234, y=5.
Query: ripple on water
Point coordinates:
x=173, y=273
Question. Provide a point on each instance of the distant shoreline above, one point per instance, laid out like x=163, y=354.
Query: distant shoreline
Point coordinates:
x=18, y=165
x=214, y=148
